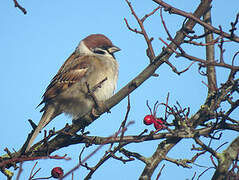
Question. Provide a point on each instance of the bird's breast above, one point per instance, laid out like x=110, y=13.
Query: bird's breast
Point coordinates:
x=107, y=87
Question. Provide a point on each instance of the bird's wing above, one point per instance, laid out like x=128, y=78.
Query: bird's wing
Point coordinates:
x=70, y=72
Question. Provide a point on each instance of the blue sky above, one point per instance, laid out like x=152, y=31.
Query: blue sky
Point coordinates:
x=34, y=46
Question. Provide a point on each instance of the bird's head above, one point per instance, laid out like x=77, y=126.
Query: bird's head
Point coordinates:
x=97, y=44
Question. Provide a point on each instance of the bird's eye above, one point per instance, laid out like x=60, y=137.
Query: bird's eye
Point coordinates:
x=98, y=51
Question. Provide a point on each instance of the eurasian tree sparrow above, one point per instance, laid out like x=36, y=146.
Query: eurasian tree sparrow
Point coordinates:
x=90, y=63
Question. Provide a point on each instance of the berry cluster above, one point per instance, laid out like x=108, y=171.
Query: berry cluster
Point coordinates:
x=159, y=123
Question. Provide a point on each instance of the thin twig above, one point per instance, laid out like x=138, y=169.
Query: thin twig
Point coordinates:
x=173, y=10
x=125, y=119
x=90, y=155
x=19, y=171
x=150, y=50
x=17, y=5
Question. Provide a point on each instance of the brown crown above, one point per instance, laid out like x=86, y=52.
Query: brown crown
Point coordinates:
x=97, y=40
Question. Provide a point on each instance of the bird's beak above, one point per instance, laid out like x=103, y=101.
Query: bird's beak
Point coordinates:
x=113, y=49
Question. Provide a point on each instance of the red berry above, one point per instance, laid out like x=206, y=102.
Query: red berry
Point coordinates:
x=57, y=172
x=159, y=123
x=160, y=120
x=149, y=119
x=158, y=126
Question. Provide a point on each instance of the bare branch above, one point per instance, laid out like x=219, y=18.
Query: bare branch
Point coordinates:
x=173, y=10
x=226, y=160
x=150, y=51
x=211, y=73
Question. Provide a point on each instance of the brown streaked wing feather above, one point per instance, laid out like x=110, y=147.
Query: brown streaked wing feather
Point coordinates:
x=71, y=72
x=68, y=63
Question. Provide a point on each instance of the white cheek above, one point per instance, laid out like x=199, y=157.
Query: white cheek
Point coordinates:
x=82, y=49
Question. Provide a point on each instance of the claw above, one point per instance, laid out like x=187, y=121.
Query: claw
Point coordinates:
x=94, y=112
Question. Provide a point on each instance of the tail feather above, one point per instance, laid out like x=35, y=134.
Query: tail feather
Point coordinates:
x=48, y=115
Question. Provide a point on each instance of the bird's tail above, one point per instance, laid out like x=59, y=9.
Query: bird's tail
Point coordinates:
x=48, y=115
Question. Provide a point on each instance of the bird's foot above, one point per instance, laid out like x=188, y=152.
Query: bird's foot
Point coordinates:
x=99, y=106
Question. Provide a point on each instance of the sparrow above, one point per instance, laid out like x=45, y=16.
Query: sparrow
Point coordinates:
x=91, y=63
